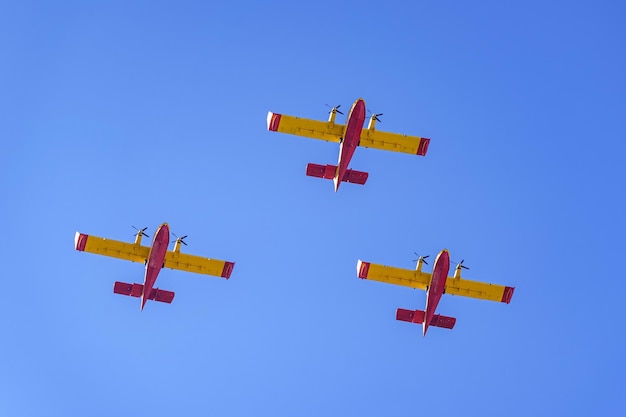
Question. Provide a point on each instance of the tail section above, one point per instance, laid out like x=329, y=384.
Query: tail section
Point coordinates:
x=328, y=172
x=135, y=290
x=417, y=316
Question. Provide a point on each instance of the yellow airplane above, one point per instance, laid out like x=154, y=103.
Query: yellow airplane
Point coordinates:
x=155, y=257
x=435, y=284
x=349, y=136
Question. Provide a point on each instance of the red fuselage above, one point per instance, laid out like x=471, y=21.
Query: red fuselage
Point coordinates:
x=437, y=286
x=351, y=138
x=155, y=260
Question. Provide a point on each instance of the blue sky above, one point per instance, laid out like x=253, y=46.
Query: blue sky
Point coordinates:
x=118, y=114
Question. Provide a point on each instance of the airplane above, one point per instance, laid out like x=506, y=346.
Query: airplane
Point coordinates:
x=435, y=284
x=349, y=136
x=155, y=257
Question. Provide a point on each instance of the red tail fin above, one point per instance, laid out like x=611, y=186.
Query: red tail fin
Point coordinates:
x=135, y=290
x=417, y=316
x=328, y=172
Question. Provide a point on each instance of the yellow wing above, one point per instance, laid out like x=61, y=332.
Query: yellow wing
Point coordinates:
x=392, y=275
x=420, y=280
x=481, y=290
x=332, y=132
x=198, y=264
x=129, y=251
x=394, y=142
x=135, y=252
x=315, y=129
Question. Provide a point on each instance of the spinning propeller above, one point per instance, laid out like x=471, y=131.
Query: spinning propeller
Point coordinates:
x=375, y=116
x=420, y=258
x=460, y=264
x=180, y=239
x=140, y=231
x=335, y=109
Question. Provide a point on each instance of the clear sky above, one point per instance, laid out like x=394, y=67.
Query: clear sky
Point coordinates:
x=117, y=113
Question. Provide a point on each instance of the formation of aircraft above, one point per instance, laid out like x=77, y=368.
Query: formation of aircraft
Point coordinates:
x=436, y=284
x=349, y=136
x=155, y=257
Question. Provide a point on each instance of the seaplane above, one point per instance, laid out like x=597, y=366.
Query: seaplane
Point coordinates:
x=349, y=136
x=155, y=257
x=436, y=284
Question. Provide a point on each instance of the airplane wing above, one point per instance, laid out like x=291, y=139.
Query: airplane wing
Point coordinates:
x=332, y=132
x=481, y=290
x=198, y=264
x=110, y=247
x=420, y=280
x=394, y=142
x=316, y=129
x=392, y=275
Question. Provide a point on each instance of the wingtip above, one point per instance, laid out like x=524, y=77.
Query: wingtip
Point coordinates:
x=273, y=120
x=228, y=269
x=362, y=269
x=80, y=241
x=507, y=294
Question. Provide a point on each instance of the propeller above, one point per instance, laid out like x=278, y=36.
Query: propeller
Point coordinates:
x=420, y=258
x=461, y=264
x=375, y=116
x=336, y=108
x=180, y=239
x=140, y=231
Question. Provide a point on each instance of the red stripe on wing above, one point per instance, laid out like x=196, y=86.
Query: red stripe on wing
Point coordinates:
x=423, y=146
x=80, y=241
x=273, y=120
x=363, y=269
x=507, y=294
x=228, y=269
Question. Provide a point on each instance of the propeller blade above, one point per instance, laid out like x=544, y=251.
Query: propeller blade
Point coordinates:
x=140, y=231
x=335, y=109
x=180, y=239
x=420, y=258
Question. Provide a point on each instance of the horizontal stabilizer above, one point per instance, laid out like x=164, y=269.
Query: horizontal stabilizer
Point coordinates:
x=328, y=172
x=417, y=316
x=321, y=171
x=135, y=290
x=355, y=177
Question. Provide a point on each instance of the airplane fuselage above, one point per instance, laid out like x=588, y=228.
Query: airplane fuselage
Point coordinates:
x=155, y=260
x=351, y=138
x=437, y=286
